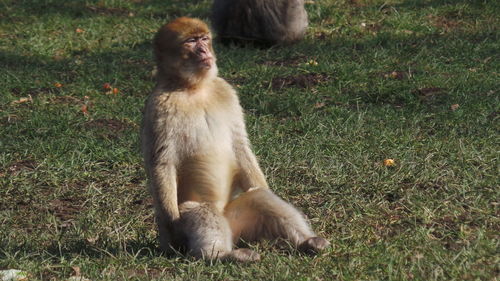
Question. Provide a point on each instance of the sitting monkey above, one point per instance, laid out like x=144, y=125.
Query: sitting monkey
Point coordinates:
x=207, y=187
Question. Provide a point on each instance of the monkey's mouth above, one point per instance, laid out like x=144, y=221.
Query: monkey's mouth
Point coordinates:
x=206, y=62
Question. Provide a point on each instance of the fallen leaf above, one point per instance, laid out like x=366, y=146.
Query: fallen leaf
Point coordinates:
x=389, y=162
x=77, y=278
x=319, y=105
x=84, y=109
x=57, y=85
x=399, y=75
x=79, y=30
x=76, y=270
x=92, y=240
x=22, y=100
x=431, y=91
x=312, y=62
x=454, y=107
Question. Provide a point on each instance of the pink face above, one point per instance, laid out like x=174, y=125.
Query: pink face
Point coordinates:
x=199, y=51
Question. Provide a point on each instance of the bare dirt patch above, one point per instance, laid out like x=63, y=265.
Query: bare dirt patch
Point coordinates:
x=108, y=128
x=357, y=3
x=9, y=119
x=293, y=61
x=33, y=92
x=19, y=166
x=152, y=273
x=372, y=27
x=431, y=95
x=146, y=203
x=300, y=81
x=108, y=11
x=65, y=100
x=322, y=35
x=65, y=209
x=393, y=222
x=236, y=81
x=398, y=75
x=108, y=124
x=444, y=23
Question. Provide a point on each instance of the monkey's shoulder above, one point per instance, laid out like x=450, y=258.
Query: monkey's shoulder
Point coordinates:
x=215, y=95
x=221, y=82
x=223, y=89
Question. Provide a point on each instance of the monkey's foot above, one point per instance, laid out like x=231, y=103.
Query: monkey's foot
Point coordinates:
x=313, y=245
x=243, y=255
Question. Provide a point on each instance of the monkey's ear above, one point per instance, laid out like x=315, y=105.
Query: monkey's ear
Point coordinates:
x=166, y=39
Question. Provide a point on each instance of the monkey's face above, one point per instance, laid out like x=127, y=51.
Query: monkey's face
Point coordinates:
x=183, y=49
x=197, y=52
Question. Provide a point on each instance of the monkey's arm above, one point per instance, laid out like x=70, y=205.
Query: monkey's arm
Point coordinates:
x=160, y=160
x=160, y=157
x=164, y=191
x=250, y=174
x=162, y=176
x=163, y=188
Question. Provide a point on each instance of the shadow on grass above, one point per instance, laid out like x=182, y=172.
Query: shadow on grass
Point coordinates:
x=79, y=67
x=135, y=62
x=67, y=249
x=159, y=9
x=391, y=83
x=412, y=4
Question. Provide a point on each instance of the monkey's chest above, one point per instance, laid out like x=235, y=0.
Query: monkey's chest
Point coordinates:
x=205, y=134
x=207, y=162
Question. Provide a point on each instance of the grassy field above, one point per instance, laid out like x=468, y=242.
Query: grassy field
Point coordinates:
x=414, y=81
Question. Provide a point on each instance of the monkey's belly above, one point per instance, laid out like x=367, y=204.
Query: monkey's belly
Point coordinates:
x=206, y=178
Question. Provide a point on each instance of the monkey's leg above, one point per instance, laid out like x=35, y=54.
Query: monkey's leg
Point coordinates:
x=166, y=238
x=209, y=235
x=259, y=213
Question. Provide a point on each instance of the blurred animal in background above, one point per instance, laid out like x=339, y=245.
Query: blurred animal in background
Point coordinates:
x=266, y=22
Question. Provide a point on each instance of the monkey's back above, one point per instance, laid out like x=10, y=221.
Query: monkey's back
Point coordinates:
x=271, y=21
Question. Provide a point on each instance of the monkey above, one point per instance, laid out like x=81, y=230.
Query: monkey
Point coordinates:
x=208, y=189
x=264, y=22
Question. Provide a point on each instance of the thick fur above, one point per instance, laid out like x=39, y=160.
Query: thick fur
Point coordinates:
x=208, y=189
x=209, y=234
x=263, y=21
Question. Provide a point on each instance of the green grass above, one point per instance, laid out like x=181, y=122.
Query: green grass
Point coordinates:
x=72, y=186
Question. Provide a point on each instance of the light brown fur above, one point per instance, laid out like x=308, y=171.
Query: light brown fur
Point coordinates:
x=207, y=186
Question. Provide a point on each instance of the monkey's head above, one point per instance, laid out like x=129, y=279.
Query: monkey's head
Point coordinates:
x=183, y=50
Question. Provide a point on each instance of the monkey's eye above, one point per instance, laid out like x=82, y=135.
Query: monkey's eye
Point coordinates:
x=190, y=40
x=205, y=38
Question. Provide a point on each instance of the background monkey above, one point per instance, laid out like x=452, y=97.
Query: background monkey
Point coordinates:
x=207, y=187
x=263, y=21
